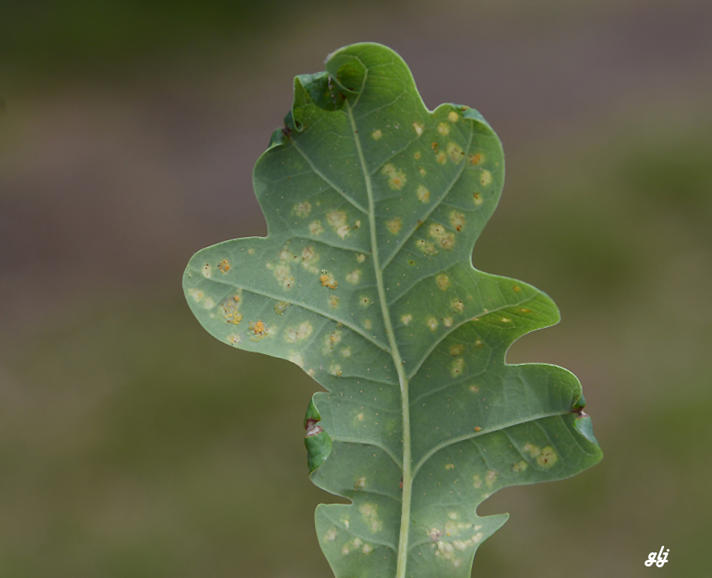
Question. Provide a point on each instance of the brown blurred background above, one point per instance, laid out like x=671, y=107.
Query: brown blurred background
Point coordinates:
x=134, y=445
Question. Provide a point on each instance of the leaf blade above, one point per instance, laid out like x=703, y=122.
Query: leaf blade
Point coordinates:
x=373, y=205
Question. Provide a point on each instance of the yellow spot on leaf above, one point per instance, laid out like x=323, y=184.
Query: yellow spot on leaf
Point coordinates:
x=457, y=349
x=207, y=271
x=333, y=301
x=455, y=152
x=485, y=178
x=476, y=159
x=547, y=457
x=457, y=367
x=258, y=327
x=328, y=280
x=449, y=467
x=423, y=194
x=457, y=305
x=474, y=389
x=432, y=323
x=406, y=319
x=452, y=116
x=457, y=220
x=442, y=281
x=440, y=158
x=376, y=134
x=477, y=199
x=360, y=483
x=224, y=266
x=360, y=258
x=443, y=129
x=396, y=177
x=426, y=247
x=394, y=225
x=418, y=128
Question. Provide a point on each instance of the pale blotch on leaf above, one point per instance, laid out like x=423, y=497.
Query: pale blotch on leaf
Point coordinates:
x=474, y=389
x=418, y=128
x=422, y=171
x=457, y=305
x=490, y=478
x=485, y=178
x=452, y=116
x=440, y=158
x=477, y=481
x=520, y=466
x=432, y=323
x=316, y=228
x=367, y=324
x=334, y=301
x=302, y=209
x=394, y=225
x=417, y=155
x=296, y=358
x=406, y=319
x=505, y=320
x=354, y=277
x=365, y=300
x=477, y=199
x=377, y=134
x=443, y=129
x=360, y=483
x=233, y=339
x=423, y=194
x=196, y=294
x=449, y=467
x=369, y=512
x=335, y=370
x=330, y=535
x=396, y=177
x=207, y=271
x=337, y=221
x=346, y=352
x=298, y=333
x=283, y=274
x=280, y=307
x=360, y=258
x=442, y=281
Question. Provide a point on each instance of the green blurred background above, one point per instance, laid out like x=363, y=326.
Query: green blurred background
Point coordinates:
x=132, y=444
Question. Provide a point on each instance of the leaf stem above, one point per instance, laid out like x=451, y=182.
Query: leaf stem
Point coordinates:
x=402, y=559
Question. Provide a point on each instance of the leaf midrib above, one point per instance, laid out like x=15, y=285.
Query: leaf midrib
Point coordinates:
x=402, y=555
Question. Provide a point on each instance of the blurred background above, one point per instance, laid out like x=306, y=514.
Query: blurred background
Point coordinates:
x=132, y=444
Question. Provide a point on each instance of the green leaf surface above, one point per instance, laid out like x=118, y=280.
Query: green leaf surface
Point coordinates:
x=373, y=205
